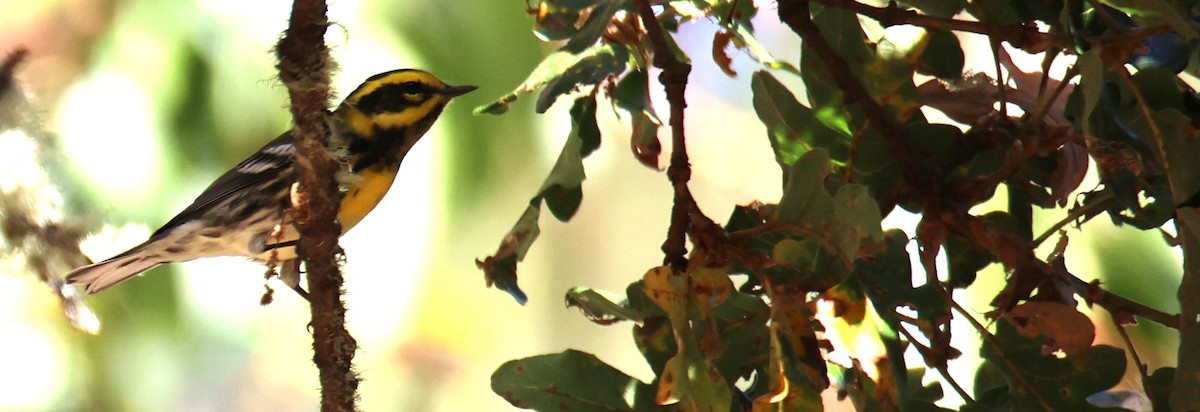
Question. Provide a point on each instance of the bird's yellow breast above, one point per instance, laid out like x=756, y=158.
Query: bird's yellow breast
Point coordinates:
x=366, y=192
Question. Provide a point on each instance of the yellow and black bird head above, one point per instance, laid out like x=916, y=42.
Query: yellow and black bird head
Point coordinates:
x=379, y=122
x=390, y=111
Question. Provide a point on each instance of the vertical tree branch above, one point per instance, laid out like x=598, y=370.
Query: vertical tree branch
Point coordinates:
x=304, y=66
x=674, y=79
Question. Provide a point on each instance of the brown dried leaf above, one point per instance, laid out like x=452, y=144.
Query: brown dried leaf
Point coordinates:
x=1067, y=328
x=931, y=236
x=1068, y=175
x=721, y=41
x=644, y=142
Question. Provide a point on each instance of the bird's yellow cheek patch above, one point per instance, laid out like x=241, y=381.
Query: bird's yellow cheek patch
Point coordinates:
x=369, y=189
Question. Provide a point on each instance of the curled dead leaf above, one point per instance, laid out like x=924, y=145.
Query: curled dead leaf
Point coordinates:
x=720, y=42
x=1067, y=329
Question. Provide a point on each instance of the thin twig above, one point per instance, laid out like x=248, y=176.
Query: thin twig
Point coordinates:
x=1035, y=117
x=1116, y=303
x=1001, y=83
x=995, y=346
x=1075, y=214
x=304, y=66
x=939, y=366
x=674, y=79
x=1141, y=367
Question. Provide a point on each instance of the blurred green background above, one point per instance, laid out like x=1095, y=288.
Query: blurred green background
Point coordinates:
x=151, y=100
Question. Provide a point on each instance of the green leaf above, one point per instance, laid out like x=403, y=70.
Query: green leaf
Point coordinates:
x=840, y=223
x=633, y=94
x=939, y=142
x=583, y=123
x=1046, y=11
x=570, y=5
x=571, y=380
x=936, y=8
x=745, y=35
x=922, y=398
x=887, y=280
x=1091, y=79
x=1063, y=383
x=1156, y=13
x=793, y=129
x=1174, y=147
x=807, y=263
x=1179, y=140
x=1158, y=388
x=558, y=19
x=993, y=11
x=943, y=56
x=596, y=23
x=804, y=197
x=742, y=329
x=563, y=201
x=856, y=217
x=561, y=72
x=1160, y=88
x=690, y=382
x=655, y=341
x=965, y=261
x=844, y=34
x=888, y=77
x=875, y=166
x=598, y=63
x=563, y=188
x=602, y=307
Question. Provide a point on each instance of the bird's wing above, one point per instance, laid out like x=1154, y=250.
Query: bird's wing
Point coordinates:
x=263, y=166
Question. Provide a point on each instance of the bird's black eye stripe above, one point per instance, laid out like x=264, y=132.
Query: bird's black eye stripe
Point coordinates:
x=391, y=98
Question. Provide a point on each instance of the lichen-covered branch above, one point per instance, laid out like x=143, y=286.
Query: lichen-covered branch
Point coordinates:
x=304, y=66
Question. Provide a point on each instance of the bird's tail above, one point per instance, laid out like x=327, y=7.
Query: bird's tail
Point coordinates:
x=99, y=276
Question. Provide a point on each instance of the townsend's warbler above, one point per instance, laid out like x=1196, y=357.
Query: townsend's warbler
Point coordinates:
x=246, y=211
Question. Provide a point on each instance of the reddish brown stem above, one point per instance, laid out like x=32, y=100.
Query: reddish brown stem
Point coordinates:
x=674, y=79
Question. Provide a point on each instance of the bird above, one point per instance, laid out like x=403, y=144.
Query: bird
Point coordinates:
x=247, y=211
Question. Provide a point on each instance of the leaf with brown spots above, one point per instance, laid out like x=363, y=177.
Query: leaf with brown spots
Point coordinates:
x=601, y=307
x=688, y=378
x=501, y=269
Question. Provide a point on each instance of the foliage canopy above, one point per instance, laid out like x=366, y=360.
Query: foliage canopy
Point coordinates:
x=753, y=316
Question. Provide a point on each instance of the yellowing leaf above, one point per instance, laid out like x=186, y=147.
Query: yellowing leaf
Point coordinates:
x=710, y=287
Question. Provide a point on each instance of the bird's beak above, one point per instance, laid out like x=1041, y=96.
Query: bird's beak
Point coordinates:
x=454, y=91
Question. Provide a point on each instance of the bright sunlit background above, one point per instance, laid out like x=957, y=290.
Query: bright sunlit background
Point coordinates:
x=151, y=100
